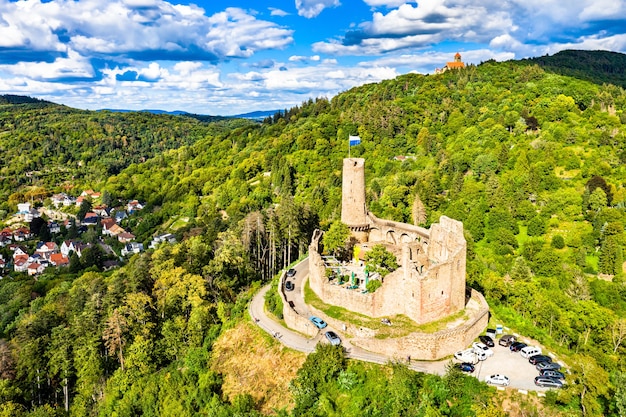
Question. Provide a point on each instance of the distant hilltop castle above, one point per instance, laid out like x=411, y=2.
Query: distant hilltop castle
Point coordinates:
x=456, y=64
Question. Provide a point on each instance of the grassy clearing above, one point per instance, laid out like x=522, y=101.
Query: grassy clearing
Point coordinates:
x=179, y=222
x=522, y=236
x=257, y=365
x=401, y=324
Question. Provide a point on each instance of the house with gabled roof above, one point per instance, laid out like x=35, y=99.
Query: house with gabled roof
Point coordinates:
x=58, y=259
x=18, y=250
x=35, y=268
x=167, y=237
x=91, y=219
x=131, y=248
x=115, y=230
x=106, y=225
x=120, y=215
x=54, y=227
x=101, y=210
x=125, y=237
x=133, y=206
x=21, y=234
x=67, y=246
x=45, y=249
x=20, y=265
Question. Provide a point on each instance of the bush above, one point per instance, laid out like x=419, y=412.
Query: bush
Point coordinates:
x=273, y=301
x=373, y=285
x=558, y=242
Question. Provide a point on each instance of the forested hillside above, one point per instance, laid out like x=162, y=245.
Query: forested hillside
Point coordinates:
x=48, y=145
x=531, y=161
x=596, y=66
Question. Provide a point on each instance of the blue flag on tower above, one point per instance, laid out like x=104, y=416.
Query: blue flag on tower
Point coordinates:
x=354, y=140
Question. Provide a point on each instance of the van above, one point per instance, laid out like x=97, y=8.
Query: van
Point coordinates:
x=529, y=351
x=507, y=340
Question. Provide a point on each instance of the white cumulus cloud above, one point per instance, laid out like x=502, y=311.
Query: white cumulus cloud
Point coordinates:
x=312, y=8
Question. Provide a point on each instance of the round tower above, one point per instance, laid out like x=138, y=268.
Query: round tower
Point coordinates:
x=353, y=211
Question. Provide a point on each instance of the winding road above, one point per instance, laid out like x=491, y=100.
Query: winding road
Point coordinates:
x=302, y=343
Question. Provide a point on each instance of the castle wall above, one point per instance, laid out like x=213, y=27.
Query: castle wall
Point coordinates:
x=293, y=320
x=427, y=287
x=423, y=346
x=429, y=346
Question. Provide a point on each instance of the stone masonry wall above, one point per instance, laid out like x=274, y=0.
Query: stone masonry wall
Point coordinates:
x=292, y=319
x=436, y=292
x=427, y=346
x=353, y=212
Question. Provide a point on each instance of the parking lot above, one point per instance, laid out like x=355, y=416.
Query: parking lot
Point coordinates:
x=520, y=372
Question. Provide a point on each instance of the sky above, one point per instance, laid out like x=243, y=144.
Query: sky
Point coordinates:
x=230, y=57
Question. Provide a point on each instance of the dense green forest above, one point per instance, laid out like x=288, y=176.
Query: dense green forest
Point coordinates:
x=530, y=160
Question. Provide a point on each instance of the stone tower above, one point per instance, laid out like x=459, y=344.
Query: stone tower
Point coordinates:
x=353, y=211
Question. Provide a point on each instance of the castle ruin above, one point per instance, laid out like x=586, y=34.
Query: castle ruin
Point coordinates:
x=428, y=286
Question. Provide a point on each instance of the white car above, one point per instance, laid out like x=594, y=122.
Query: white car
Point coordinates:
x=482, y=347
x=497, y=379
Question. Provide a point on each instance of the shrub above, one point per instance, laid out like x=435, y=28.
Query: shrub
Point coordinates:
x=373, y=285
x=558, y=242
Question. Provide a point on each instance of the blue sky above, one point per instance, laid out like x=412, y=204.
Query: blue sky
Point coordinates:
x=235, y=56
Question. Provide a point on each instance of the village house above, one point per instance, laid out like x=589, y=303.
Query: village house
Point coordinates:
x=67, y=246
x=131, y=248
x=58, y=259
x=133, y=206
x=62, y=199
x=91, y=219
x=125, y=237
x=102, y=210
x=120, y=215
x=20, y=264
x=116, y=230
x=45, y=249
x=106, y=225
x=22, y=234
x=167, y=237
x=35, y=268
x=54, y=227
x=90, y=193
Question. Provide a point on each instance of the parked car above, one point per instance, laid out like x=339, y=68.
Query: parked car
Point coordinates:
x=481, y=346
x=544, y=381
x=319, y=323
x=529, y=351
x=517, y=346
x=291, y=273
x=498, y=379
x=545, y=366
x=486, y=340
x=464, y=367
x=539, y=358
x=289, y=286
x=507, y=340
x=333, y=338
x=469, y=355
x=552, y=374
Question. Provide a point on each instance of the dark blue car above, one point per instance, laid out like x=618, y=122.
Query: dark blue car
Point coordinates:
x=464, y=367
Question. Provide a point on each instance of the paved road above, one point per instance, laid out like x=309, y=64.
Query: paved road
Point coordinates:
x=520, y=372
x=305, y=344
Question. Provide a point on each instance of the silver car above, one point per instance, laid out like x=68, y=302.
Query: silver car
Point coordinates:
x=333, y=338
